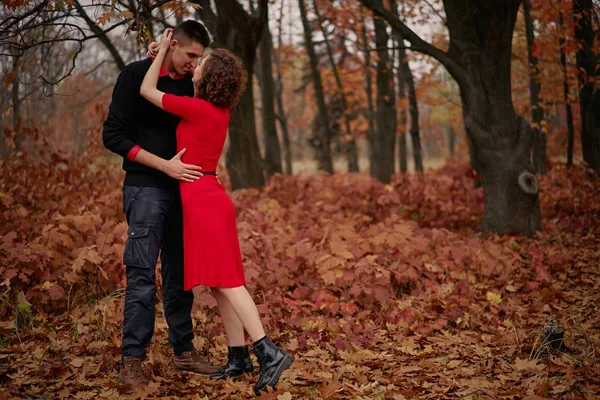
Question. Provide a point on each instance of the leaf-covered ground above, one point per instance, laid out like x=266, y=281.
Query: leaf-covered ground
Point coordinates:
x=380, y=292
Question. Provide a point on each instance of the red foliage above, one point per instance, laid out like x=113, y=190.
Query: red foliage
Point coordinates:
x=364, y=282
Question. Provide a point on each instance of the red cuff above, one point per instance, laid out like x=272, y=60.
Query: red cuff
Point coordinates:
x=133, y=153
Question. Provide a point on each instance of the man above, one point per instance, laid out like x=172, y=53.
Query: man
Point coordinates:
x=144, y=135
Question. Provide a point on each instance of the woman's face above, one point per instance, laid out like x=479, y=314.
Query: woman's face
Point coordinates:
x=198, y=71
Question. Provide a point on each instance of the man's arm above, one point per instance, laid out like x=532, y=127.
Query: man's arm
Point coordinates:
x=117, y=128
x=118, y=124
x=173, y=167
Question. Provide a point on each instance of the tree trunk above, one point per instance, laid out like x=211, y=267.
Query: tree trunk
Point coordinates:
x=16, y=108
x=243, y=155
x=402, y=156
x=402, y=153
x=271, y=140
x=349, y=141
x=478, y=59
x=408, y=78
x=324, y=135
x=386, y=107
x=281, y=115
x=501, y=140
x=588, y=65
x=240, y=33
x=414, y=118
x=563, y=62
x=16, y=102
x=451, y=141
x=369, y=91
x=537, y=111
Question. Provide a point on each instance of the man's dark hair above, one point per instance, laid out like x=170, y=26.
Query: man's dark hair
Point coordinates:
x=191, y=30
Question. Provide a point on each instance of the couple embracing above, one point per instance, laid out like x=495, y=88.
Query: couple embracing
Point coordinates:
x=168, y=119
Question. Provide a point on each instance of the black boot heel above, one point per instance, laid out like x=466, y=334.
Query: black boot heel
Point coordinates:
x=238, y=363
x=272, y=361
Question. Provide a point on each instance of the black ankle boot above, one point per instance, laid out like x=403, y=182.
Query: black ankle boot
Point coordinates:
x=272, y=361
x=238, y=363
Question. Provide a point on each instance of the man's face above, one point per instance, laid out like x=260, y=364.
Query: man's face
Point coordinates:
x=185, y=56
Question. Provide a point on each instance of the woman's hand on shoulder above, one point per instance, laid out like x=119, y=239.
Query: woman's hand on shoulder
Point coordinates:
x=165, y=41
x=152, y=50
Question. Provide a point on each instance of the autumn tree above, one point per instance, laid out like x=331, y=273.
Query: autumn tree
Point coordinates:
x=370, y=112
x=588, y=64
x=281, y=113
x=238, y=31
x=323, y=125
x=30, y=26
x=537, y=110
x=406, y=80
x=402, y=116
x=272, y=159
x=385, y=134
x=350, y=141
x=43, y=41
x=478, y=58
x=27, y=26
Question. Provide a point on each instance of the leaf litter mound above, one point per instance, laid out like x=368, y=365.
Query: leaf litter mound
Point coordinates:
x=380, y=291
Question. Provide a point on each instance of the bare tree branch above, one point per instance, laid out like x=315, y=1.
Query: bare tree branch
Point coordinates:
x=418, y=44
x=102, y=36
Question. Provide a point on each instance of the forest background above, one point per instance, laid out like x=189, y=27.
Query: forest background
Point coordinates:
x=416, y=183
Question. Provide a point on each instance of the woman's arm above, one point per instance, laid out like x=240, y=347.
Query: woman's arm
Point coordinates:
x=173, y=167
x=148, y=89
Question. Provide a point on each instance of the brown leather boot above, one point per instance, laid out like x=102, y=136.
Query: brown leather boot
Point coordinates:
x=132, y=373
x=191, y=361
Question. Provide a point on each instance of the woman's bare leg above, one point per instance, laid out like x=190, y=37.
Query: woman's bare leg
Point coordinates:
x=233, y=326
x=243, y=305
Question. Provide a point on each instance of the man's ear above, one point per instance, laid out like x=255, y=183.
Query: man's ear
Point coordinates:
x=174, y=43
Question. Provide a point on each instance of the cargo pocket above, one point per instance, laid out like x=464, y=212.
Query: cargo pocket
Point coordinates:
x=137, y=249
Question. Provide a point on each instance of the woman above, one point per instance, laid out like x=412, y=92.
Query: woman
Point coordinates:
x=211, y=248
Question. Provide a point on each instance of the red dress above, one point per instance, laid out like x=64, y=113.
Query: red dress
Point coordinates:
x=211, y=250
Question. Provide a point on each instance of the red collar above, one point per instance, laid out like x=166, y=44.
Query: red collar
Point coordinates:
x=164, y=72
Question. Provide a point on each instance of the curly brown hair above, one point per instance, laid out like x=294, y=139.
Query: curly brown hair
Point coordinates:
x=224, y=79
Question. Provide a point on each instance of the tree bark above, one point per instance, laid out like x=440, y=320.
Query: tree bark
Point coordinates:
x=537, y=110
x=271, y=140
x=501, y=139
x=281, y=114
x=386, y=107
x=478, y=59
x=403, y=117
x=369, y=90
x=414, y=118
x=350, y=140
x=16, y=108
x=570, y=125
x=324, y=134
x=412, y=96
x=451, y=141
x=235, y=30
x=402, y=153
x=16, y=102
x=588, y=65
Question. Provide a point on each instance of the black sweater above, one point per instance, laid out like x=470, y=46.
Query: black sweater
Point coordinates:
x=133, y=120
